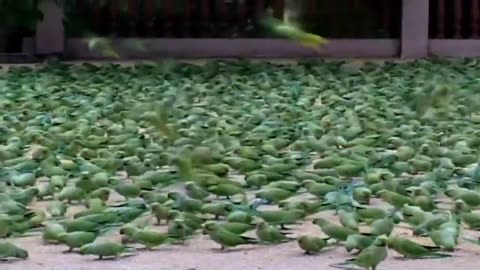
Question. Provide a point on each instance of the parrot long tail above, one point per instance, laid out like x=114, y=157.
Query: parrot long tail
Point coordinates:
x=250, y=240
x=344, y=265
x=473, y=241
x=436, y=255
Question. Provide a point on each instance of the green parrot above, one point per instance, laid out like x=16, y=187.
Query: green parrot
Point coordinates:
x=351, y=169
x=243, y=165
x=9, y=250
x=226, y=189
x=45, y=190
x=71, y=194
x=413, y=250
x=301, y=175
x=424, y=201
x=311, y=244
x=471, y=219
x=256, y=179
x=102, y=193
x=177, y=229
x=327, y=162
x=348, y=219
x=127, y=190
x=358, y=242
x=56, y=208
x=413, y=214
x=220, y=169
x=10, y=206
x=39, y=216
x=234, y=227
x=157, y=177
x=85, y=182
x=460, y=207
x=318, y=189
x=433, y=221
x=77, y=239
x=94, y=206
x=195, y=191
x=23, y=179
x=405, y=153
x=333, y=230
x=5, y=227
x=274, y=195
x=237, y=228
x=79, y=225
x=446, y=236
x=103, y=249
x=280, y=168
x=24, y=196
x=87, y=166
x=160, y=212
x=270, y=234
x=226, y=238
x=281, y=217
x=395, y=199
x=285, y=185
x=148, y=238
x=218, y=209
x=191, y=220
x=58, y=181
x=362, y=195
x=183, y=203
x=373, y=255
x=239, y=216
x=309, y=207
x=382, y=226
x=151, y=197
x=52, y=232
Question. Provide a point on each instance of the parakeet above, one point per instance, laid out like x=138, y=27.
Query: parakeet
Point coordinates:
x=160, y=212
x=358, y=242
x=270, y=234
x=77, y=239
x=311, y=244
x=52, y=233
x=373, y=255
x=413, y=250
x=146, y=237
x=103, y=249
x=9, y=250
x=226, y=238
x=348, y=219
x=333, y=230
x=294, y=33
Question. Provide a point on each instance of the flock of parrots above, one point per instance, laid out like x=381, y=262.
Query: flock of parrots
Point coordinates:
x=229, y=148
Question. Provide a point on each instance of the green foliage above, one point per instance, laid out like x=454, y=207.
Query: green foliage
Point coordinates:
x=13, y=14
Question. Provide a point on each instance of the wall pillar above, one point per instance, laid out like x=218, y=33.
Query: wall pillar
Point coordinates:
x=50, y=35
x=415, y=28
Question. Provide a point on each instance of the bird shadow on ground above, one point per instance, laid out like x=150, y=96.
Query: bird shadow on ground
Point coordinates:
x=9, y=261
x=164, y=248
x=219, y=250
x=109, y=259
x=399, y=258
x=344, y=266
x=303, y=254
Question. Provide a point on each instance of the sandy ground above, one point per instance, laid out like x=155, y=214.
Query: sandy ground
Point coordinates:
x=201, y=253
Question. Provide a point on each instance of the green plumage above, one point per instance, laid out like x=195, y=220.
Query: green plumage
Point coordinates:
x=311, y=244
x=333, y=230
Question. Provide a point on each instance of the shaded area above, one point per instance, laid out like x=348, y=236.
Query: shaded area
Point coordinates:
x=459, y=19
x=234, y=18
